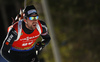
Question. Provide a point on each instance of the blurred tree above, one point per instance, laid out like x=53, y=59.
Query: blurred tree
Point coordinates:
x=77, y=22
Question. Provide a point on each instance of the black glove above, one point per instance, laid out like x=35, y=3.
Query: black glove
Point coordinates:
x=40, y=46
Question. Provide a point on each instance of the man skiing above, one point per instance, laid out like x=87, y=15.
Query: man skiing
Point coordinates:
x=20, y=43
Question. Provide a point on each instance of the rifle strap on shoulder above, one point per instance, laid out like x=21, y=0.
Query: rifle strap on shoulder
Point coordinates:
x=19, y=29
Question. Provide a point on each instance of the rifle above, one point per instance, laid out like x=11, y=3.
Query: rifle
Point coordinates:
x=20, y=16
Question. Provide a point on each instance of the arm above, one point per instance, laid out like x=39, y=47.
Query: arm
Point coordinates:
x=45, y=35
x=7, y=43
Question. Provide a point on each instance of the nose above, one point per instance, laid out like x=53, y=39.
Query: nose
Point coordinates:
x=35, y=21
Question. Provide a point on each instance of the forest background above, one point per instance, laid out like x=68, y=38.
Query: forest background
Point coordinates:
x=76, y=26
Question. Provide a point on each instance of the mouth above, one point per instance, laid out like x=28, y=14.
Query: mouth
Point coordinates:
x=34, y=25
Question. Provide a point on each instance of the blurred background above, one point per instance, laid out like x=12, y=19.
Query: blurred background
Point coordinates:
x=75, y=25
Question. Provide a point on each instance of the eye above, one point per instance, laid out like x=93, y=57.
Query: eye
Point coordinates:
x=31, y=18
x=34, y=17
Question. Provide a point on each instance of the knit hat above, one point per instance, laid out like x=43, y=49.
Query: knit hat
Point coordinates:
x=30, y=10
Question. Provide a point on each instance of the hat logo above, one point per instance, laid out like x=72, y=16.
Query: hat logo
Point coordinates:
x=32, y=11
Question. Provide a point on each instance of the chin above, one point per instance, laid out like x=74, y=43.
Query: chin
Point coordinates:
x=33, y=28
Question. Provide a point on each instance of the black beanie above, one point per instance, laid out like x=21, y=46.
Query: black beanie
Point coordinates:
x=29, y=10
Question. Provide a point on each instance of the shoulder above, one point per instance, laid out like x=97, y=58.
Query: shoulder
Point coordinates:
x=12, y=31
x=15, y=26
x=42, y=22
x=44, y=26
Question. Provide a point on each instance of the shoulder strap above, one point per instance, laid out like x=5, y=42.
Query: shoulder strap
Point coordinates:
x=19, y=29
x=39, y=27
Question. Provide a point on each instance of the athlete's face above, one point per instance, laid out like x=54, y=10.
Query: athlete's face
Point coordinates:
x=31, y=22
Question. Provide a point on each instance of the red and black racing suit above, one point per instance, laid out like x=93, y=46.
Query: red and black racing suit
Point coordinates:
x=23, y=50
